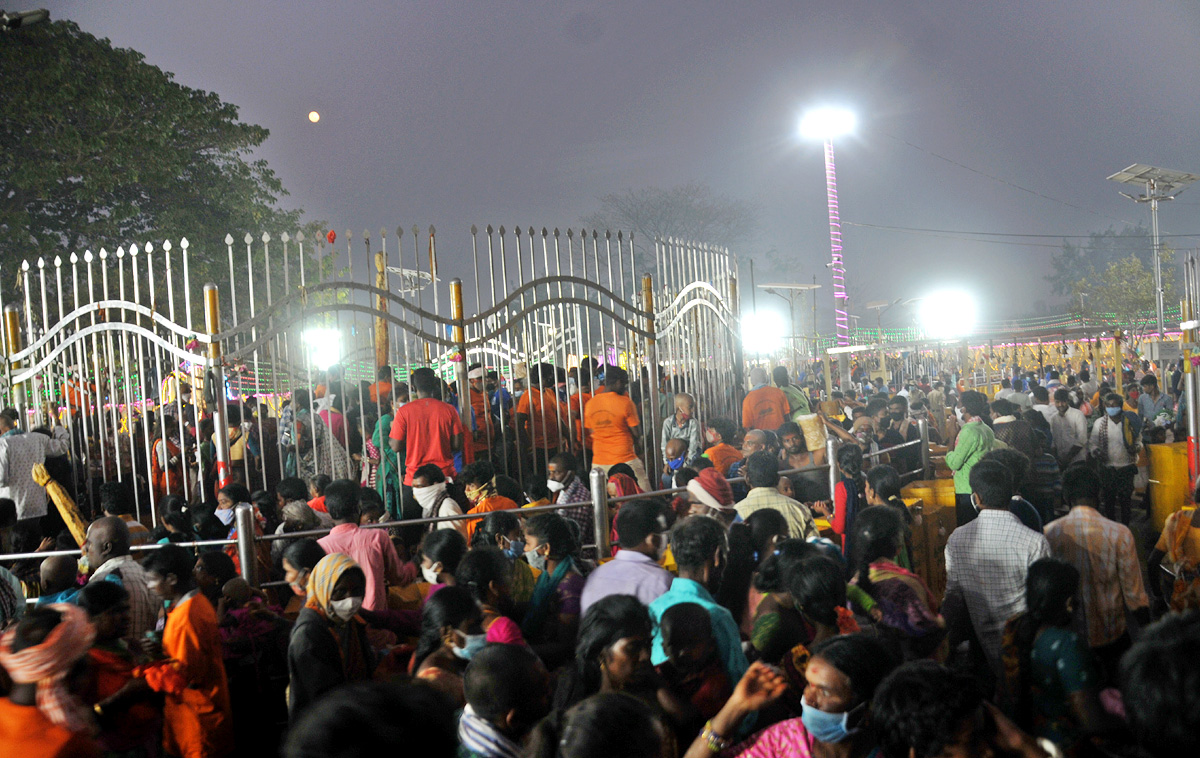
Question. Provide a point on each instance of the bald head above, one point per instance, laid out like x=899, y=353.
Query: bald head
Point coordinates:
x=754, y=441
x=58, y=573
x=107, y=538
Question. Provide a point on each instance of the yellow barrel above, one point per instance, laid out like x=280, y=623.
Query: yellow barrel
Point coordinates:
x=1168, y=490
x=943, y=492
x=921, y=490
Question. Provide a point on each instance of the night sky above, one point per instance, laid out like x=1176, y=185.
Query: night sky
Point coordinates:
x=452, y=113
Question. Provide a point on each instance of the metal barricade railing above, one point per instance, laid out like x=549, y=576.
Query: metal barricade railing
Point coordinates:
x=247, y=541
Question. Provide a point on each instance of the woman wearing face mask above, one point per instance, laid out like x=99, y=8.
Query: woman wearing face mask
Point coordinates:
x=844, y=673
x=451, y=633
x=502, y=529
x=485, y=572
x=1051, y=682
x=553, y=616
x=328, y=646
x=228, y=498
x=441, y=552
x=299, y=559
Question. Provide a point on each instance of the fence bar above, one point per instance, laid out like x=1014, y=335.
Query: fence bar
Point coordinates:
x=599, y=486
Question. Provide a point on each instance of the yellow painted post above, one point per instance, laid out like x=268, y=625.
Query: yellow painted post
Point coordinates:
x=212, y=325
x=458, y=334
x=12, y=339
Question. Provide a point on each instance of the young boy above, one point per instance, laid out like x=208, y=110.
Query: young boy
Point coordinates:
x=721, y=433
x=693, y=669
x=683, y=425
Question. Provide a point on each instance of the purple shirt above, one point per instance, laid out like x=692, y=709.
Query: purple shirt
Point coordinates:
x=629, y=573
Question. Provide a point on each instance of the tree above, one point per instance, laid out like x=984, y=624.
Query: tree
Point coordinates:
x=691, y=212
x=1121, y=294
x=1075, y=263
x=101, y=148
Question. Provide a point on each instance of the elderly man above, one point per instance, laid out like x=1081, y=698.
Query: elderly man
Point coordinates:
x=762, y=475
x=754, y=441
x=106, y=552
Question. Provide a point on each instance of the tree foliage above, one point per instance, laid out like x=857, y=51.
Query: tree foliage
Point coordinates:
x=100, y=147
x=689, y=211
x=1122, y=293
x=1077, y=262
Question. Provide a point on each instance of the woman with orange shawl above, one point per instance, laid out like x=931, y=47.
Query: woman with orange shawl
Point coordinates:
x=197, y=718
x=328, y=646
x=619, y=485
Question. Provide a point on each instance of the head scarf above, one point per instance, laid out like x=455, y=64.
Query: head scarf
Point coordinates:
x=758, y=377
x=712, y=489
x=48, y=663
x=321, y=581
x=624, y=484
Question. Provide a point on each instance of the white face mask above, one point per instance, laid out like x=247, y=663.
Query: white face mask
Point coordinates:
x=959, y=414
x=225, y=515
x=431, y=573
x=554, y=486
x=427, y=497
x=347, y=608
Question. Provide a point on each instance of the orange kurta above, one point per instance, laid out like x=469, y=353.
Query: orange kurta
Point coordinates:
x=487, y=505
x=197, y=721
x=26, y=732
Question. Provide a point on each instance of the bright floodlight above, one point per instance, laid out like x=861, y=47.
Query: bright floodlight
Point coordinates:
x=948, y=314
x=324, y=347
x=314, y=117
x=826, y=123
x=763, y=332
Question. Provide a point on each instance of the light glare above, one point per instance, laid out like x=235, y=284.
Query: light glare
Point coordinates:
x=314, y=117
x=948, y=314
x=324, y=347
x=827, y=123
x=763, y=332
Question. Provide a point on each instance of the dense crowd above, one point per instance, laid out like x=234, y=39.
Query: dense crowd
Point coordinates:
x=749, y=608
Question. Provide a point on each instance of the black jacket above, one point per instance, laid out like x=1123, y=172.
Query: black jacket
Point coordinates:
x=315, y=662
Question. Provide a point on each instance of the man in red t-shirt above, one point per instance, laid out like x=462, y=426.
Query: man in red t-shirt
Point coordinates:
x=481, y=438
x=426, y=430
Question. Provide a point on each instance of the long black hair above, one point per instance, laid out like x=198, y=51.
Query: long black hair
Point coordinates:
x=1049, y=586
x=782, y=563
x=608, y=620
x=733, y=592
x=865, y=660
x=449, y=606
x=553, y=528
x=480, y=568
x=818, y=588
x=606, y=724
x=878, y=533
x=496, y=522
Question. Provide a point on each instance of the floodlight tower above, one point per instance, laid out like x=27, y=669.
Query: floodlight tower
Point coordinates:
x=1160, y=184
x=825, y=124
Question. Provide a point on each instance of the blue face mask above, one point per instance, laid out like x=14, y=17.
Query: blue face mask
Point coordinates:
x=828, y=727
x=675, y=463
x=515, y=549
x=472, y=644
x=1112, y=412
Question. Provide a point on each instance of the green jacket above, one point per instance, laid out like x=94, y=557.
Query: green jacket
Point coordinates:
x=975, y=440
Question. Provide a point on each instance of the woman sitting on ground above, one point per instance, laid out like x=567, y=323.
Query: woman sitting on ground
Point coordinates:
x=451, y=632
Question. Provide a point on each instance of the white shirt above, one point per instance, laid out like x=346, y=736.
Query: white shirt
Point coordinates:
x=1021, y=399
x=1049, y=411
x=987, y=562
x=143, y=603
x=1069, y=430
x=1004, y=393
x=1117, y=454
x=628, y=573
x=19, y=453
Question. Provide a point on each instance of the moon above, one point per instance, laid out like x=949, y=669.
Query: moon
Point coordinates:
x=314, y=117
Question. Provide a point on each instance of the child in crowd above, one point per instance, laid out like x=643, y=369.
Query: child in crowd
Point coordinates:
x=675, y=455
x=693, y=670
x=720, y=434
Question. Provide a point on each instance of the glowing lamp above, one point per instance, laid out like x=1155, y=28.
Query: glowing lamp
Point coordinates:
x=948, y=314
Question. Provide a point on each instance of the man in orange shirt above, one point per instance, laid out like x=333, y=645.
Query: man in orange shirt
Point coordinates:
x=765, y=407
x=577, y=403
x=481, y=438
x=608, y=423
x=479, y=485
x=539, y=418
x=382, y=387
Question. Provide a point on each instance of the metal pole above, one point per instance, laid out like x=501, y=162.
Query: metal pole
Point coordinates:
x=243, y=518
x=926, y=464
x=651, y=462
x=599, y=485
x=831, y=448
x=12, y=336
x=460, y=366
x=1158, y=283
x=212, y=325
